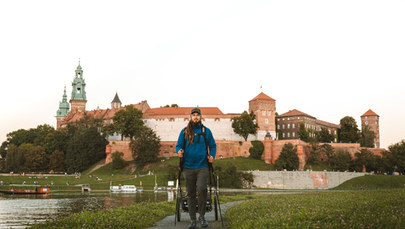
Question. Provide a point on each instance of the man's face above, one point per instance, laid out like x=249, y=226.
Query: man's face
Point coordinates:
x=196, y=117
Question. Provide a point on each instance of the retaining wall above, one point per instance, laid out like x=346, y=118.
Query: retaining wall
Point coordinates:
x=301, y=179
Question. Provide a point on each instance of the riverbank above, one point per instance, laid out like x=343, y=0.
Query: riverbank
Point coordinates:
x=322, y=209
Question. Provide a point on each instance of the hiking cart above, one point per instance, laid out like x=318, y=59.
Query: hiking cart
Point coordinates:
x=182, y=202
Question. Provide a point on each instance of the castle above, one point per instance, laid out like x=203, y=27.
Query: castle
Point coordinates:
x=167, y=122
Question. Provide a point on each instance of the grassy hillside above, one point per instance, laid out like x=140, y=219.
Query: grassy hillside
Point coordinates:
x=374, y=182
x=101, y=178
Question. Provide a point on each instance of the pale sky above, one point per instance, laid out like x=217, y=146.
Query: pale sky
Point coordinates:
x=329, y=59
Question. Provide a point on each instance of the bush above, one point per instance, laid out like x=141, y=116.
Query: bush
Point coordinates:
x=256, y=150
x=117, y=161
x=288, y=158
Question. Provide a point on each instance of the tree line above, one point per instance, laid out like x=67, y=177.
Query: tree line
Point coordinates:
x=392, y=160
x=78, y=146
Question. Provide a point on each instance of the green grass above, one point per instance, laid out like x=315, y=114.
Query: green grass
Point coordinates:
x=161, y=169
x=325, y=209
x=349, y=209
x=139, y=215
x=374, y=182
x=244, y=164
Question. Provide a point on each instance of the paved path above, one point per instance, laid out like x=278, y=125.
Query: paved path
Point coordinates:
x=168, y=222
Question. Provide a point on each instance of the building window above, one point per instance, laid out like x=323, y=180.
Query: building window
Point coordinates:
x=283, y=127
x=283, y=135
x=366, y=123
x=278, y=119
x=269, y=113
x=263, y=113
x=293, y=134
x=266, y=121
x=171, y=120
x=278, y=127
x=288, y=118
x=298, y=118
x=216, y=119
x=288, y=126
x=288, y=134
x=293, y=125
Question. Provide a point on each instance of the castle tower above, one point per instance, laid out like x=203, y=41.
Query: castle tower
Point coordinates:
x=264, y=107
x=63, y=110
x=116, y=103
x=78, y=99
x=371, y=119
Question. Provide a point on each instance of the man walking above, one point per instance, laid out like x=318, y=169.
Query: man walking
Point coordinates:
x=192, y=145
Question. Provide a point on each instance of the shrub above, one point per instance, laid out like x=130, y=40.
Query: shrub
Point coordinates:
x=256, y=150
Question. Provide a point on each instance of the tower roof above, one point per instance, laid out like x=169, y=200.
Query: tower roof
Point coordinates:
x=370, y=113
x=262, y=96
x=116, y=99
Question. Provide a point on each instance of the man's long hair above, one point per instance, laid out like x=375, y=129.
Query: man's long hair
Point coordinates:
x=189, y=131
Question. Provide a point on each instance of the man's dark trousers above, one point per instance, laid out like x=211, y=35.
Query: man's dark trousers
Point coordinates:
x=196, y=180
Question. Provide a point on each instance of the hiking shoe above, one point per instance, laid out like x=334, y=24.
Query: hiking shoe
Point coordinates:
x=193, y=225
x=203, y=222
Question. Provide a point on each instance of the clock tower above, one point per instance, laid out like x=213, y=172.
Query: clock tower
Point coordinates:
x=78, y=99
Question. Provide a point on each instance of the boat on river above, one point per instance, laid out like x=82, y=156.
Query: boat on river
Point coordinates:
x=25, y=189
x=123, y=188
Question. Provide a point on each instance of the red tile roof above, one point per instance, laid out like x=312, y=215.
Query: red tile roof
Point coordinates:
x=103, y=114
x=328, y=124
x=370, y=113
x=262, y=96
x=294, y=112
x=182, y=111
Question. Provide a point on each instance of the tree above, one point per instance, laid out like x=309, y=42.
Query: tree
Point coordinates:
x=288, y=158
x=256, y=150
x=84, y=147
x=367, y=137
x=349, y=133
x=245, y=124
x=146, y=146
x=229, y=176
x=367, y=159
x=57, y=161
x=341, y=161
x=303, y=133
x=324, y=136
x=326, y=152
x=127, y=122
x=397, y=159
x=35, y=158
x=117, y=161
x=14, y=159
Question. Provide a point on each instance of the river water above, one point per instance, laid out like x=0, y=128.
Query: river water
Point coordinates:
x=20, y=211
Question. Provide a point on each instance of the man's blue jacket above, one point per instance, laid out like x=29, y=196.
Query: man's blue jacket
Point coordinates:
x=195, y=155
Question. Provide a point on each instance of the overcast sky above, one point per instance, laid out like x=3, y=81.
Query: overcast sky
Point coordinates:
x=329, y=59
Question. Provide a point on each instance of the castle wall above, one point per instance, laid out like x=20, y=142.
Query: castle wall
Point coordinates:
x=168, y=129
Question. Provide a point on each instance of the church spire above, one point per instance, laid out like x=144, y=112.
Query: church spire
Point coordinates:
x=78, y=99
x=116, y=103
x=63, y=110
x=63, y=106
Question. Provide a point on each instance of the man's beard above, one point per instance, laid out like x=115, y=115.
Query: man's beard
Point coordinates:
x=196, y=123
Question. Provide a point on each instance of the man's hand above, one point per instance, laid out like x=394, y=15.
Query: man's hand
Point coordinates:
x=180, y=153
x=211, y=159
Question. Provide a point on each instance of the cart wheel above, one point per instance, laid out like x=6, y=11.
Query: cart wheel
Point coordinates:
x=178, y=207
x=216, y=208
